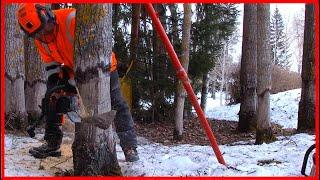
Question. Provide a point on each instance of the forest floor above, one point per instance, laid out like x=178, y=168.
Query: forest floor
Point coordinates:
x=225, y=132
x=160, y=155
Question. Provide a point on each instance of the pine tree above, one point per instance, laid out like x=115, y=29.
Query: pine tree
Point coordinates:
x=279, y=41
x=215, y=23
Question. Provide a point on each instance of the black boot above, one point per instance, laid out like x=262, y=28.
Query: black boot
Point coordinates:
x=131, y=154
x=46, y=150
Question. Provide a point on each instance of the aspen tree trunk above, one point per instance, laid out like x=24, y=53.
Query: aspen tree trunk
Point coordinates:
x=306, y=114
x=15, y=108
x=94, y=151
x=35, y=86
x=180, y=92
x=248, y=74
x=264, y=132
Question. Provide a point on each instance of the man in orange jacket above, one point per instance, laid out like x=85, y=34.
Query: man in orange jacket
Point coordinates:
x=53, y=32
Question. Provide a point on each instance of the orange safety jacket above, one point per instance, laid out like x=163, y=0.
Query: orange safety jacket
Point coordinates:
x=60, y=51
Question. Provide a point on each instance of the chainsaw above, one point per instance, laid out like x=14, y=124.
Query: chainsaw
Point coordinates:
x=56, y=99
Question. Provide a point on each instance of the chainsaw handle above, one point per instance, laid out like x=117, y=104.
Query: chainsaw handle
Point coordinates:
x=305, y=160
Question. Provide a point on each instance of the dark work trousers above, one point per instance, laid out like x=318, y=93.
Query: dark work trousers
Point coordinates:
x=123, y=120
x=53, y=132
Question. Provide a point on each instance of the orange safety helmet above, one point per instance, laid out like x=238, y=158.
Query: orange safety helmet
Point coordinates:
x=32, y=17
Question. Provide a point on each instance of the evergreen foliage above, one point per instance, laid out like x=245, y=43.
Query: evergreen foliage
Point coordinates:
x=215, y=23
x=153, y=77
x=279, y=41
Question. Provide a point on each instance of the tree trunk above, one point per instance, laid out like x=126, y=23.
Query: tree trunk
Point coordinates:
x=158, y=69
x=213, y=94
x=223, y=69
x=134, y=41
x=204, y=92
x=180, y=92
x=307, y=102
x=264, y=131
x=135, y=31
x=35, y=86
x=94, y=151
x=14, y=71
x=248, y=76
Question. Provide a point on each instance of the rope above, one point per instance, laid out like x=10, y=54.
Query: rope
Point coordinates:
x=128, y=70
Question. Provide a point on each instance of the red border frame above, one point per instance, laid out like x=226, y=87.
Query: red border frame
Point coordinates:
x=4, y=2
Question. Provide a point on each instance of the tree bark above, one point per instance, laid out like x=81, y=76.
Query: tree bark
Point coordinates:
x=14, y=71
x=157, y=68
x=94, y=151
x=35, y=85
x=248, y=74
x=135, y=31
x=134, y=41
x=204, y=92
x=223, y=72
x=307, y=102
x=264, y=131
x=180, y=92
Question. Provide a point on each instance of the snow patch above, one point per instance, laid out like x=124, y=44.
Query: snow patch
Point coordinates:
x=283, y=109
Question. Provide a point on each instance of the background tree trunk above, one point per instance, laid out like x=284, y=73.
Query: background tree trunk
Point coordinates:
x=223, y=72
x=134, y=43
x=35, y=86
x=180, y=92
x=135, y=31
x=248, y=76
x=158, y=97
x=264, y=131
x=14, y=71
x=94, y=150
x=204, y=92
x=307, y=102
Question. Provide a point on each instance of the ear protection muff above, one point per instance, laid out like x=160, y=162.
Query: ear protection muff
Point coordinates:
x=38, y=16
x=45, y=13
x=50, y=14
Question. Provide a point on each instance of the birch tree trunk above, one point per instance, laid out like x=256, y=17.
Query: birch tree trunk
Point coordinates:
x=14, y=71
x=264, y=131
x=180, y=92
x=306, y=114
x=248, y=76
x=94, y=151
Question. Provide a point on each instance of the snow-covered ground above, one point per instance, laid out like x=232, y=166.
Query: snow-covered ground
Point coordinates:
x=281, y=158
x=284, y=109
